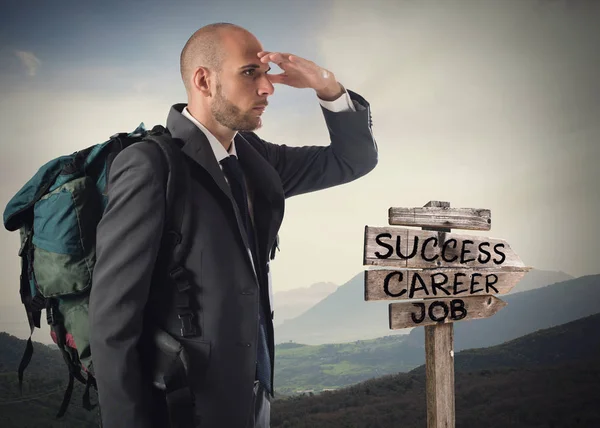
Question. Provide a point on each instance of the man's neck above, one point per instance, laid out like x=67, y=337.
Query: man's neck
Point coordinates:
x=221, y=133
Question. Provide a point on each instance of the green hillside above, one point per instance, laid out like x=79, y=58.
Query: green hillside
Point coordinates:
x=302, y=367
x=344, y=315
x=44, y=383
x=549, y=379
x=526, y=363
x=574, y=341
x=525, y=313
x=316, y=368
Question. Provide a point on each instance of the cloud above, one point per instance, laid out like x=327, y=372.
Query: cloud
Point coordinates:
x=489, y=105
x=30, y=61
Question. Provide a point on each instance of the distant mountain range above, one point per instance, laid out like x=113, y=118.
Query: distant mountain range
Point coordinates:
x=291, y=303
x=300, y=313
x=344, y=316
x=301, y=367
x=526, y=312
x=539, y=365
x=536, y=278
x=545, y=379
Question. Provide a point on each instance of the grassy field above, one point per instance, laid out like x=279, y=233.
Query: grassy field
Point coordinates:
x=301, y=368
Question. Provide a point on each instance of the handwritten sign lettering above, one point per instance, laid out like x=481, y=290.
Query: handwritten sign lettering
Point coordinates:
x=438, y=311
x=383, y=284
x=457, y=311
x=411, y=248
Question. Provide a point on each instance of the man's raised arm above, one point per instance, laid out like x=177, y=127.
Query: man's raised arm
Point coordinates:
x=352, y=151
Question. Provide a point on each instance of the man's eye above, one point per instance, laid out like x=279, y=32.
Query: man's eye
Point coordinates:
x=252, y=71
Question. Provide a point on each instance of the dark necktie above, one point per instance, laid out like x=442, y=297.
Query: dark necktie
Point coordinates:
x=235, y=175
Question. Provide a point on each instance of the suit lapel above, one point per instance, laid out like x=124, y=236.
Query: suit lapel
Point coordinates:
x=268, y=200
x=197, y=148
x=266, y=191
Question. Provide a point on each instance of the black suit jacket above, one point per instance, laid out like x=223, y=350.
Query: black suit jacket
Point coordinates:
x=226, y=292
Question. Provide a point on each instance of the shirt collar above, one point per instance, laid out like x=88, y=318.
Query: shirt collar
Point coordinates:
x=217, y=147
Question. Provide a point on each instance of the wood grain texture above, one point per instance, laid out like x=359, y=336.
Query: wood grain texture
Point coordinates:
x=439, y=311
x=439, y=371
x=438, y=204
x=439, y=359
x=388, y=284
x=457, y=218
x=401, y=247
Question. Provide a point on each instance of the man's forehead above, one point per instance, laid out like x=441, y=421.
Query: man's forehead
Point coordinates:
x=245, y=56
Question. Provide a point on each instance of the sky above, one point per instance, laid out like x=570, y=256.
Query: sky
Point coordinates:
x=484, y=104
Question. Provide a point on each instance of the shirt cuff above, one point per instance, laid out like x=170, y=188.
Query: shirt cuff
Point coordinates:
x=343, y=103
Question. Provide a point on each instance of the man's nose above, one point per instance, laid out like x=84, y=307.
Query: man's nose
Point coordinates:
x=266, y=87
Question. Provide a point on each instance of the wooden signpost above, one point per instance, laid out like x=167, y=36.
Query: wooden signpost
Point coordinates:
x=455, y=276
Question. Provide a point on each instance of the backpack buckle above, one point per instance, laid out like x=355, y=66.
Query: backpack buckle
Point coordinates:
x=180, y=277
x=51, y=316
x=187, y=327
x=37, y=303
x=25, y=244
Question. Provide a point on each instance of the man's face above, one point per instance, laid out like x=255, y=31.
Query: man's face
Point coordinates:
x=242, y=85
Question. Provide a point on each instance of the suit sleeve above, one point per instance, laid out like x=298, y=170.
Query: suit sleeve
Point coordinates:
x=351, y=154
x=128, y=239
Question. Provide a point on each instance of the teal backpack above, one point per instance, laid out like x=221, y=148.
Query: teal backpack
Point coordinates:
x=56, y=213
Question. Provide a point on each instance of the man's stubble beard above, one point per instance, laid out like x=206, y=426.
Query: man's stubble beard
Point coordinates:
x=230, y=116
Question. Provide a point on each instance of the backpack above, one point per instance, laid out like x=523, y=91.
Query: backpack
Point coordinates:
x=57, y=212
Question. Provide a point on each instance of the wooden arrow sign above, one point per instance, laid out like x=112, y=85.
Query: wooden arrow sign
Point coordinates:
x=454, y=218
x=442, y=311
x=411, y=248
x=383, y=284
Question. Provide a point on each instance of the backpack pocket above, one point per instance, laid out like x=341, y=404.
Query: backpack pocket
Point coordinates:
x=64, y=238
x=75, y=319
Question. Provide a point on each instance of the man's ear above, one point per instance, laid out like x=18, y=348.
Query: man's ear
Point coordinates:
x=201, y=81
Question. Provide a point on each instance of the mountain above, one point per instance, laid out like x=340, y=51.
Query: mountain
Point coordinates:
x=44, y=384
x=13, y=320
x=577, y=340
x=526, y=312
x=545, y=379
x=291, y=303
x=348, y=317
x=44, y=356
x=331, y=366
x=341, y=317
x=513, y=384
x=537, y=278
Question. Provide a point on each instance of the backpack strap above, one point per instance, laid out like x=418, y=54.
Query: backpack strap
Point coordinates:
x=57, y=326
x=177, y=220
x=171, y=374
x=33, y=303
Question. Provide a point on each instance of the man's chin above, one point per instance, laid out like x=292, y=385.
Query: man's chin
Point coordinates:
x=250, y=126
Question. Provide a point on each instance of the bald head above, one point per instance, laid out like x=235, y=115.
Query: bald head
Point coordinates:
x=205, y=48
x=225, y=80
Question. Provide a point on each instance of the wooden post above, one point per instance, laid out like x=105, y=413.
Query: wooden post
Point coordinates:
x=455, y=275
x=439, y=362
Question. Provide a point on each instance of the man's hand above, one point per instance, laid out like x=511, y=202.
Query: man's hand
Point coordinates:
x=302, y=73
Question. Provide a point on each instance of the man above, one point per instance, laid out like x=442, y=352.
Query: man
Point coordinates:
x=236, y=190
